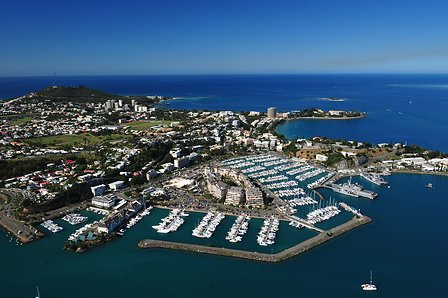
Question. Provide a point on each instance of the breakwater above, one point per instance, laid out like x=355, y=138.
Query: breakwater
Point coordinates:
x=261, y=257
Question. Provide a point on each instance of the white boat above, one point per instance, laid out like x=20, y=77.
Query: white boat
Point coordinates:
x=370, y=286
x=38, y=294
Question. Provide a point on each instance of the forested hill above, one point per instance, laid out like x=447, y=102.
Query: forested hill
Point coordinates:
x=78, y=93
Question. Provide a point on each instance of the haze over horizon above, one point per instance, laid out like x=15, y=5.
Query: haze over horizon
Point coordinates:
x=216, y=37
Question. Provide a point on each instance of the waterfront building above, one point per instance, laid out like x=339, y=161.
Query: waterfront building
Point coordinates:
x=254, y=197
x=235, y=196
x=104, y=201
x=215, y=187
x=272, y=112
x=98, y=190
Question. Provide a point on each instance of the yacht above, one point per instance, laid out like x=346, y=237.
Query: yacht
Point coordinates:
x=38, y=294
x=370, y=286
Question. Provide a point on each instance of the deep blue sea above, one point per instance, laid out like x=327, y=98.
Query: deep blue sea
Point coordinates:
x=400, y=108
x=405, y=245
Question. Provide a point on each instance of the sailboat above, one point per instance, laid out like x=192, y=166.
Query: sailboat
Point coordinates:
x=38, y=294
x=370, y=286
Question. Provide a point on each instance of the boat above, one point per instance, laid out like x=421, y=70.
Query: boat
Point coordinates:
x=370, y=286
x=372, y=177
x=429, y=185
x=38, y=294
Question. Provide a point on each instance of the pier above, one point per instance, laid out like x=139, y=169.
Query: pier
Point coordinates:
x=255, y=256
x=350, y=209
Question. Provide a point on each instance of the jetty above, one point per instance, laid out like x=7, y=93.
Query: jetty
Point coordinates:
x=255, y=256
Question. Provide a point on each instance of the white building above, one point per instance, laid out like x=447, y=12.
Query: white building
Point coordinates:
x=235, y=196
x=98, y=190
x=104, y=201
x=254, y=197
x=272, y=112
x=182, y=162
x=116, y=185
x=321, y=157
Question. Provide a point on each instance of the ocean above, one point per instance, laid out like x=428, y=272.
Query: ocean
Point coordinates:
x=409, y=109
x=404, y=245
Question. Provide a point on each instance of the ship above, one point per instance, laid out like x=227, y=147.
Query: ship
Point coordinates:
x=370, y=286
x=374, y=178
x=353, y=190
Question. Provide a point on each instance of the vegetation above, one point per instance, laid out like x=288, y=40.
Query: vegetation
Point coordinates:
x=334, y=158
x=145, y=125
x=83, y=139
x=77, y=193
x=19, y=167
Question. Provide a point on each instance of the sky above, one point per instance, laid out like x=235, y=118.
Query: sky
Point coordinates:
x=222, y=37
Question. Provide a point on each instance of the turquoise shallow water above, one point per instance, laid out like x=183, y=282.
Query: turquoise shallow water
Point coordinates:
x=404, y=246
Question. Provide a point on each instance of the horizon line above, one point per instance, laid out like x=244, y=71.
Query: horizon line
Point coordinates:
x=225, y=74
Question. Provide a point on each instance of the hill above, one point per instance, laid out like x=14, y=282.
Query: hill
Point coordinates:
x=78, y=93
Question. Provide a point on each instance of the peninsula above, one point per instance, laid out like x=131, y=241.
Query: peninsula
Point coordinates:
x=70, y=152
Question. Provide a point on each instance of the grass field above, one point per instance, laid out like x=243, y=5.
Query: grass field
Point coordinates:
x=23, y=120
x=80, y=139
x=145, y=125
x=17, y=119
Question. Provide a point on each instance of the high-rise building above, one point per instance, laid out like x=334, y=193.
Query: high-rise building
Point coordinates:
x=272, y=112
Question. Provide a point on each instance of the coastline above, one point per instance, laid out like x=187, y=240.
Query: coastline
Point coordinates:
x=255, y=256
x=328, y=118
x=415, y=172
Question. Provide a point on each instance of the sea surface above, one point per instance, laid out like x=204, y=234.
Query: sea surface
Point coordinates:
x=410, y=109
x=405, y=245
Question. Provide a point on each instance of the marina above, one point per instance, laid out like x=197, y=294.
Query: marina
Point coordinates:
x=262, y=257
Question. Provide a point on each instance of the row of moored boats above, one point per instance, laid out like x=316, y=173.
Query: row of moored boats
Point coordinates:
x=238, y=229
x=75, y=218
x=268, y=232
x=171, y=222
x=208, y=224
x=51, y=226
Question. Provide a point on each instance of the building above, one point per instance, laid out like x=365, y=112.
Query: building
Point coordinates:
x=104, y=201
x=272, y=112
x=182, y=162
x=151, y=174
x=254, y=197
x=98, y=190
x=116, y=185
x=321, y=157
x=217, y=188
x=193, y=156
x=235, y=196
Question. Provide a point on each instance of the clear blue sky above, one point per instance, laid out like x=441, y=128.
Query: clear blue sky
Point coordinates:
x=40, y=37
